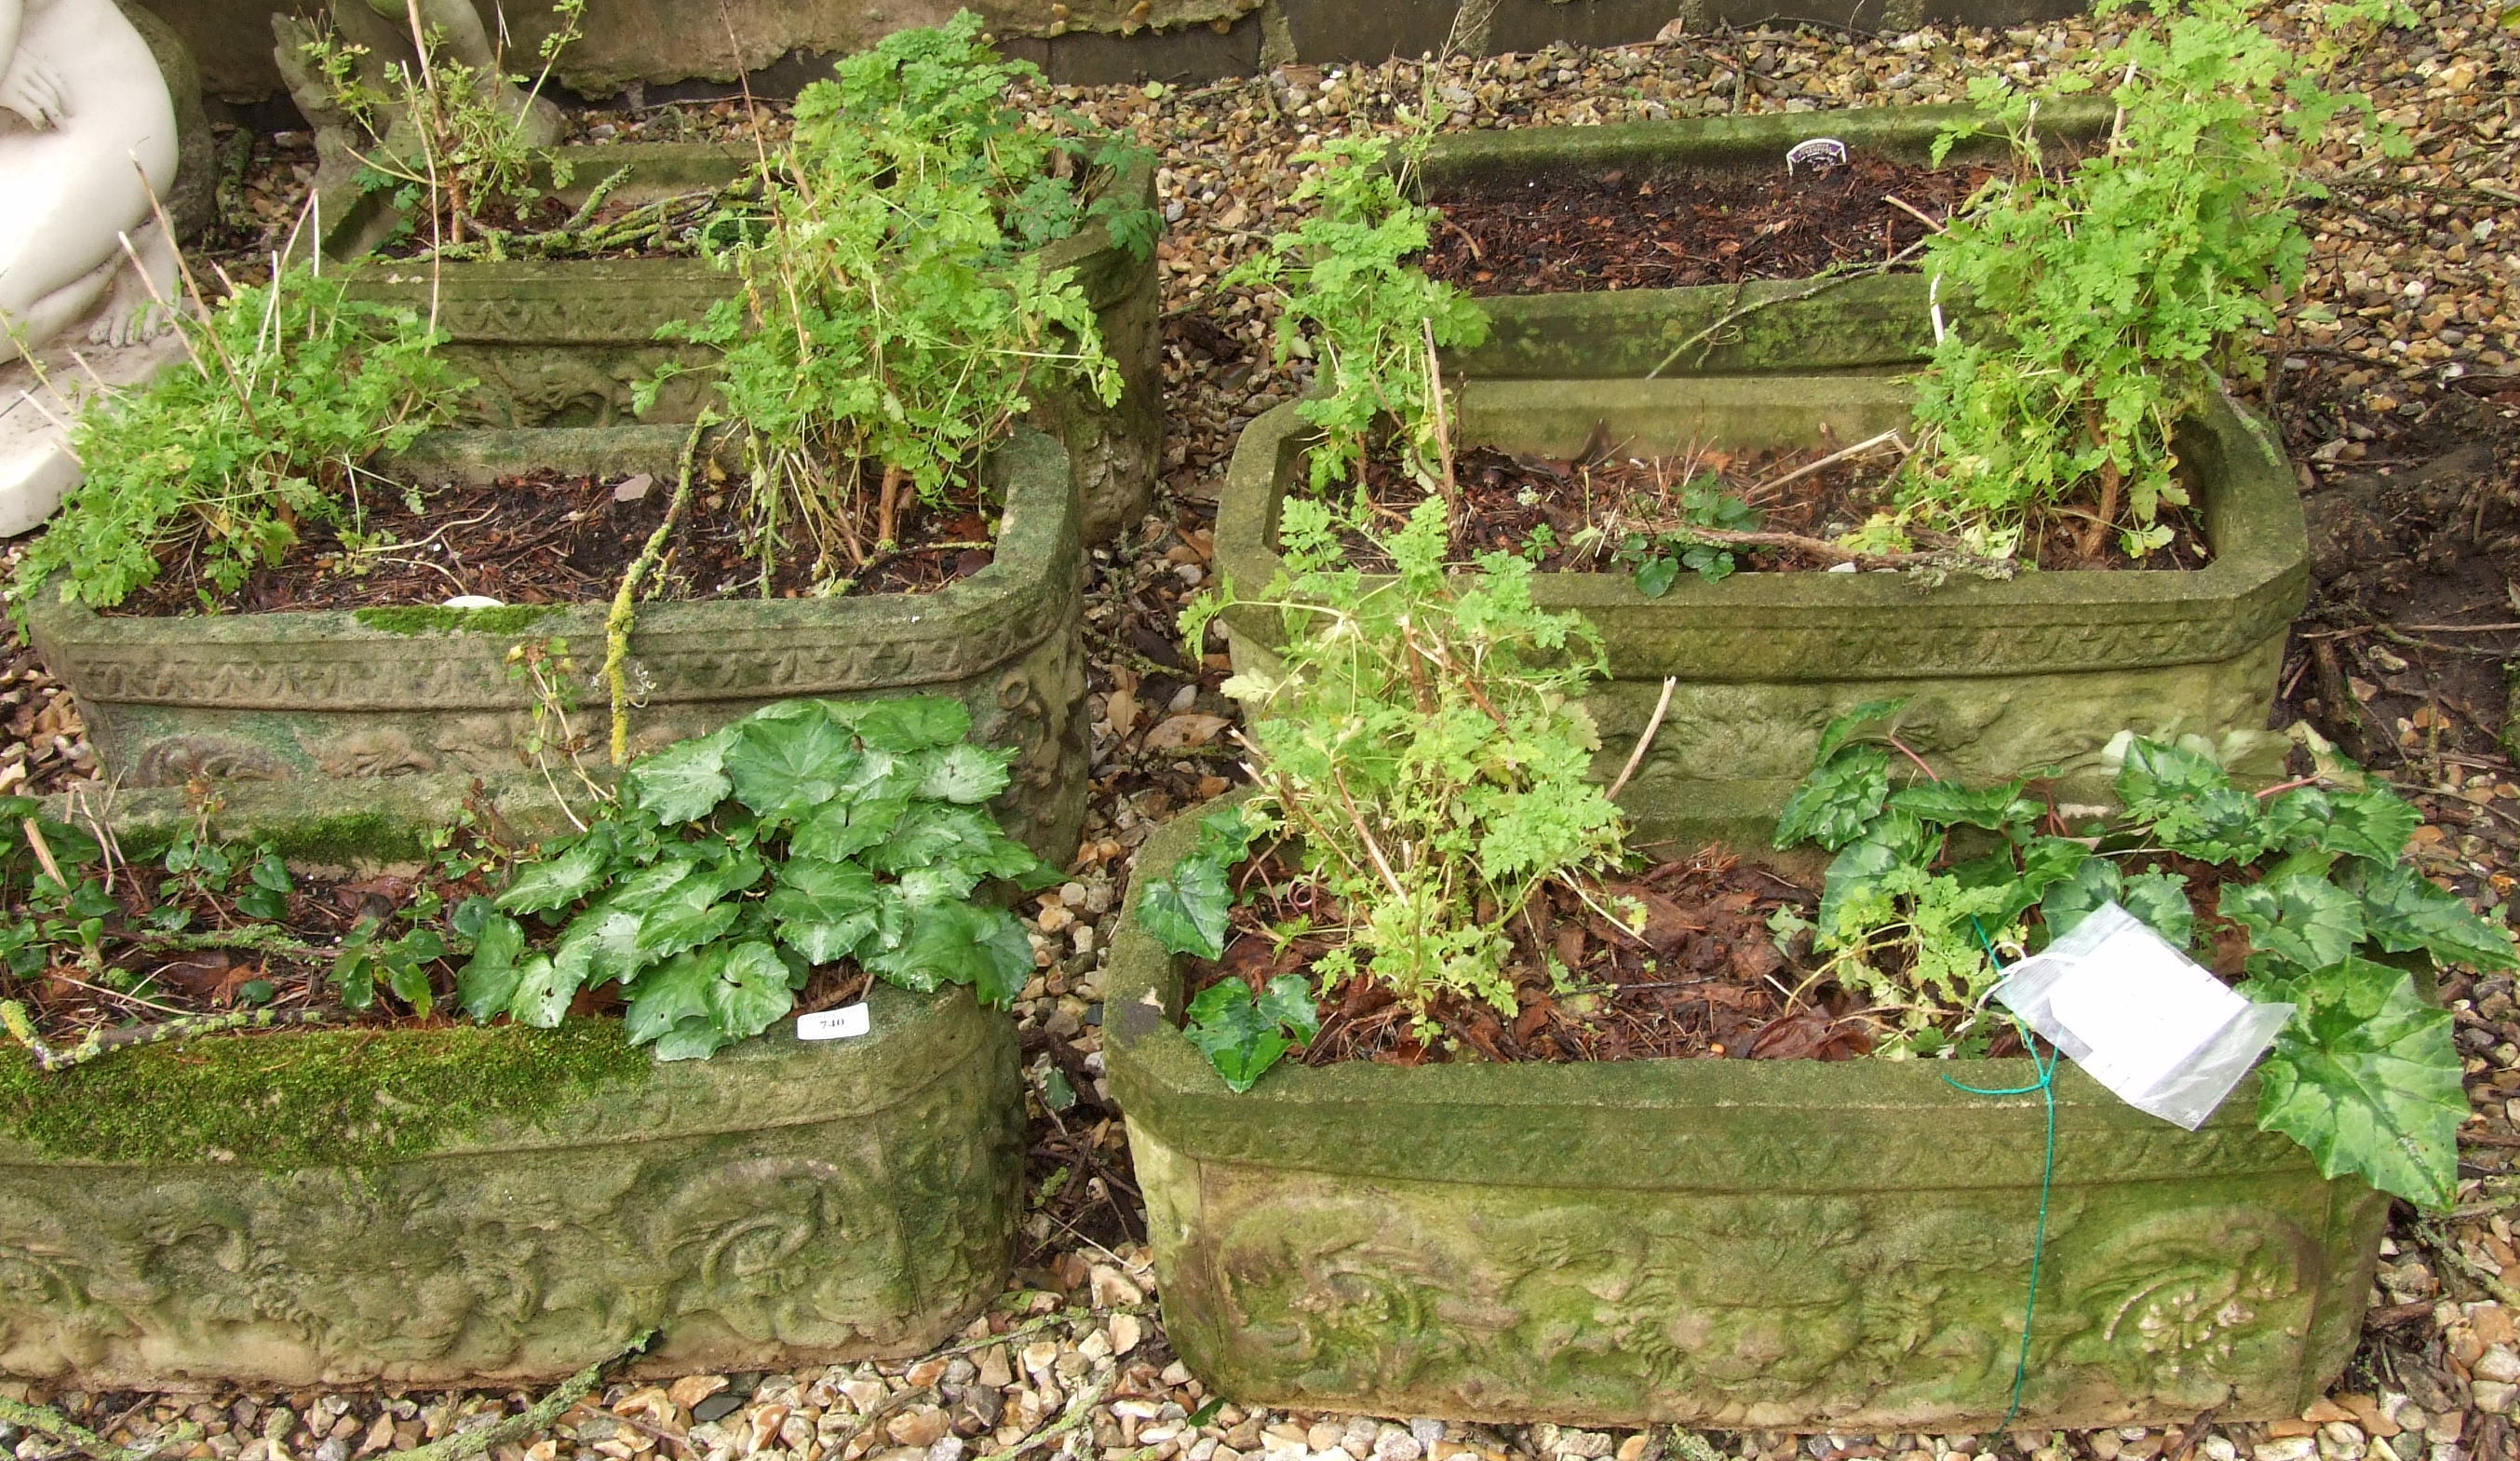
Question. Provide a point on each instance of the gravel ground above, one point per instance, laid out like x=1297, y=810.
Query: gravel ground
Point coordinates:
x=2398, y=391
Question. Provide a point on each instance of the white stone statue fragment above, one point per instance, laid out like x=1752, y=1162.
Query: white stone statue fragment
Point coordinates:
x=87, y=140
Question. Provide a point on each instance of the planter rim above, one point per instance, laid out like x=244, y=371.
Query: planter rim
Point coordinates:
x=1028, y=568
x=2252, y=587
x=1678, y=1122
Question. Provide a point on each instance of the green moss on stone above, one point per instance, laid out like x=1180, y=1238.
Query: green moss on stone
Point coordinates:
x=314, y=1098
x=436, y=618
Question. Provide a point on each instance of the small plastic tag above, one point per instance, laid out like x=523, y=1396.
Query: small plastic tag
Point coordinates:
x=835, y=1024
x=2141, y=1016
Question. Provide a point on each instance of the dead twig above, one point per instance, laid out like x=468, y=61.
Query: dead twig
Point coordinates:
x=1645, y=738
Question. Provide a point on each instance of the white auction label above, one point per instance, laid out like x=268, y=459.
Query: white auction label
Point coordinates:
x=835, y=1024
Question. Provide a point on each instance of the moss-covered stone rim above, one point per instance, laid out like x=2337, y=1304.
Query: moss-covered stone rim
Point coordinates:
x=1030, y=567
x=1516, y=154
x=2254, y=584
x=1718, y=1126
x=657, y=170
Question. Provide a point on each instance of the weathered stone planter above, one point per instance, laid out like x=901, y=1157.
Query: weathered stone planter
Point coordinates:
x=429, y=691
x=475, y=1204
x=562, y=342
x=1732, y=1244
x=2002, y=677
x=1859, y=321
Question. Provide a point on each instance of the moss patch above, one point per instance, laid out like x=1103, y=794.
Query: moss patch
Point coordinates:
x=311, y=1098
x=436, y=618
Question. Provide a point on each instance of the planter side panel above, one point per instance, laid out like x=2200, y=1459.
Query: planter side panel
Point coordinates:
x=808, y=1239
x=1888, y=1310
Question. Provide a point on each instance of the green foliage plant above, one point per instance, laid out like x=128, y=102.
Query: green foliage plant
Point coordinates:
x=1423, y=757
x=1658, y=556
x=1358, y=305
x=895, y=318
x=2111, y=298
x=441, y=133
x=287, y=389
x=1929, y=876
x=735, y=864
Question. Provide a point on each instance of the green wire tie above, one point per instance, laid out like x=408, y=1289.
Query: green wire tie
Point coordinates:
x=2046, y=1087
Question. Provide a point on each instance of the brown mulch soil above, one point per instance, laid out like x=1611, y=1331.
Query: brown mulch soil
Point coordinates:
x=1669, y=230
x=1506, y=500
x=1705, y=978
x=558, y=539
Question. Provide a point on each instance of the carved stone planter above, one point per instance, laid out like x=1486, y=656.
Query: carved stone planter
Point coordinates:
x=2002, y=677
x=400, y=692
x=783, y=1204
x=1740, y=1245
x=1865, y=321
x=562, y=342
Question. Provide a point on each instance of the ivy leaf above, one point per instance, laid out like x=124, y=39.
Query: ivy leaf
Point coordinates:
x=788, y=766
x=965, y=774
x=1288, y=1000
x=547, y=983
x=928, y=832
x=1189, y=912
x=1008, y=956
x=827, y=910
x=2309, y=922
x=1837, y=800
x=907, y=723
x=2365, y=1076
x=2404, y=911
x=2297, y=818
x=699, y=1002
x=1657, y=574
x=2222, y=825
x=2094, y=881
x=557, y=881
x=1839, y=730
x=1947, y=803
x=959, y=943
x=681, y=783
x=2157, y=774
x=2374, y=825
x=837, y=831
x=1890, y=844
x=486, y=986
x=1238, y=1039
x=2160, y=901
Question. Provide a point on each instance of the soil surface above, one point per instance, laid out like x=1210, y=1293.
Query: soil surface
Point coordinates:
x=1669, y=230
x=559, y=540
x=1591, y=513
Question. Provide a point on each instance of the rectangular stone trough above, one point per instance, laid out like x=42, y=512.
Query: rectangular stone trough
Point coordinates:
x=545, y=1196
x=563, y=341
x=1731, y=1243
x=429, y=691
x=2002, y=677
x=1856, y=321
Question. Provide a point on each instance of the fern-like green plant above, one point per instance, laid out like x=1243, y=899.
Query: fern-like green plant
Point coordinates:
x=286, y=388
x=1359, y=305
x=2110, y=297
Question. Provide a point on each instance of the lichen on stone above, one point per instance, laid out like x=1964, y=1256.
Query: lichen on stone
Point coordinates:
x=435, y=618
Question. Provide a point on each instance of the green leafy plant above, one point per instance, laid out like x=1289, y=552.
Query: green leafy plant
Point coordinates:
x=455, y=137
x=2109, y=298
x=807, y=833
x=1657, y=558
x=1358, y=305
x=895, y=317
x=286, y=388
x=1423, y=755
x=1929, y=877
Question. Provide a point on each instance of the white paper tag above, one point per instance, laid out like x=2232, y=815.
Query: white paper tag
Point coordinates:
x=2141, y=1016
x=835, y=1024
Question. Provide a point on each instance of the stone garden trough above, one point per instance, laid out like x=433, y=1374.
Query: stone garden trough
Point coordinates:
x=1732, y=1244
x=2002, y=677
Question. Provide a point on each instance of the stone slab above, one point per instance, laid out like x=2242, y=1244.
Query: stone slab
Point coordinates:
x=1729, y=1243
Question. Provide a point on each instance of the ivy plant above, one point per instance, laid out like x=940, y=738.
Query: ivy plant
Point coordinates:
x=734, y=863
x=2110, y=297
x=896, y=316
x=1929, y=877
x=1422, y=754
x=286, y=388
x=1658, y=557
x=1358, y=305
